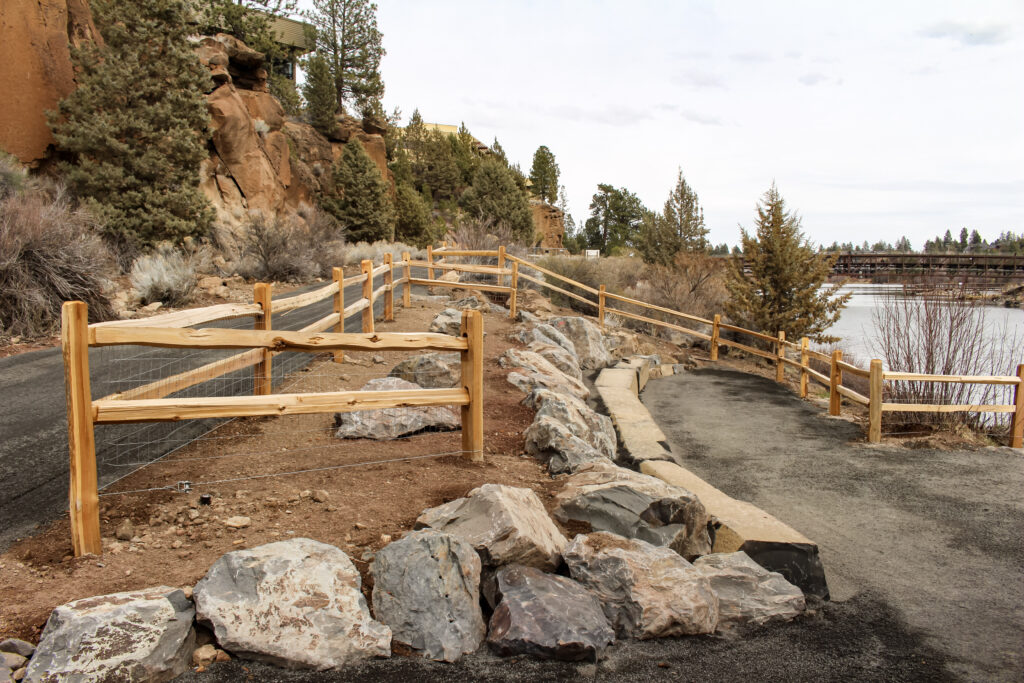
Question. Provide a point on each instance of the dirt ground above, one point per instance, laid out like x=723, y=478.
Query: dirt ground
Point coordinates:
x=175, y=539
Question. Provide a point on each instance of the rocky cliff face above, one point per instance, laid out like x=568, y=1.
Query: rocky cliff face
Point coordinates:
x=36, y=71
x=549, y=224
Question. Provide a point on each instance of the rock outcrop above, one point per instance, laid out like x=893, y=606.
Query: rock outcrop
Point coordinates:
x=392, y=423
x=294, y=603
x=548, y=224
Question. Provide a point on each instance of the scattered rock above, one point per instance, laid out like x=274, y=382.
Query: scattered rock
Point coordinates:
x=581, y=421
x=531, y=370
x=505, y=524
x=321, y=496
x=547, y=616
x=294, y=603
x=379, y=359
x=426, y=588
x=472, y=303
x=125, y=530
x=18, y=647
x=747, y=592
x=392, y=423
x=587, y=338
x=153, y=307
x=204, y=655
x=448, y=321
x=430, y=370
x=143, y=635
x=534, y=301
x=551, y=441
x=237, y=522
x=12, y=661
x=645, y=591
x=634, y=505
x=523, y=316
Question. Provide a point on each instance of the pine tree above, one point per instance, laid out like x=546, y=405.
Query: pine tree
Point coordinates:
x=616, y=217
x=348, y=39
x=903, y=246
x=544, y=175
x=962, y=246
x=364, y=208
x=783, y=291
x=680, y=227
x=137, y=123
x=976, y=243
x=318, y=90
x=412, y=216
x=466, y=156
x=495, y=196
x=499, y=152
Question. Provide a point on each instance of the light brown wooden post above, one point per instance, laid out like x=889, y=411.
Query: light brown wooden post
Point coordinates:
x=83, y=497
x=473, y=382
x=714, y=336
x=1017, y=422
x=600, y=305
x=263, y=372
x=367, y=268
x=338, y=275
x=501, y=264
x=875, y=402
x=430, y=260
x=513, y=290
x=804, y=362
x=389, y=293
x=780, y=353
x=406, y=275
x=835, y=381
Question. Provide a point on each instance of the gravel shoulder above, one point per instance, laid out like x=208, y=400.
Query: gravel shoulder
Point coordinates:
x=933, y=535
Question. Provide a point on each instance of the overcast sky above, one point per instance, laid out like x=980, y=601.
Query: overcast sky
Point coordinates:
x=876, y=119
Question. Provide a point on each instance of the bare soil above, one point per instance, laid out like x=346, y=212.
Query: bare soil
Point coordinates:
x=175, y=539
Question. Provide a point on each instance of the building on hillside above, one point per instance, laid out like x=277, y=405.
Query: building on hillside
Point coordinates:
x=293, y=36
x=448, y=129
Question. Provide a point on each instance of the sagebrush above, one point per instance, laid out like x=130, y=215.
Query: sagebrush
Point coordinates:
x=168, y=275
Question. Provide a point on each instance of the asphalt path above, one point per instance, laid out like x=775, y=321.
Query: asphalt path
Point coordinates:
x=33, y=422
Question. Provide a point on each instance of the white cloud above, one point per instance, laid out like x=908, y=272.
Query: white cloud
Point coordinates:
x=968, y=33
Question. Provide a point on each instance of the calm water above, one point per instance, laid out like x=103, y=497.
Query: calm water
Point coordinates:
x=856, y=328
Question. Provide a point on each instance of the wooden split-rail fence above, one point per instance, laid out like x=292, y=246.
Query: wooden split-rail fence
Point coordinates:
x=177, y=330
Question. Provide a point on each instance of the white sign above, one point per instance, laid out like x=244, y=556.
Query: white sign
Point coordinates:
x=592, y=253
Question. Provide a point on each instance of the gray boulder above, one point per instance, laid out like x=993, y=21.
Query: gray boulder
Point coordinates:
x=294, y=603
x=559, y=357
x=547, y=616
x=430, y=370
x=18, y=647
x=524, y=316
x=426, y=588
x=392, y=423
x=586, y=338
x=472, y=303
x=143, y=635
x=566, y=433
x=552, y=442
x=504, y=523
x=544, y=334
x=634, y=505
x=531, y=370
x=645, y=591
x=747, y=592
x=448, y=321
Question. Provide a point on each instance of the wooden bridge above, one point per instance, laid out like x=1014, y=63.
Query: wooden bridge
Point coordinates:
x=979, y=268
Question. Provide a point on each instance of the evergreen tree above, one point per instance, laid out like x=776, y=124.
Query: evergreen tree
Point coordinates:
x=544, y=175
x=465, y=154
x=499, y=152
x=495, y=196
x=903, y=246
x=283, y=88
x=318, y=89
x=962, y=245
x=412, y=216
x=947, y=241
x=137, y=123
x=976, y=243
x=348, y=39
x=680, y=227
x=615, y=219
x=364, y=208
x=784, y=289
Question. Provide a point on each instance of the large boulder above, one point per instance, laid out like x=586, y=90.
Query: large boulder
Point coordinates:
x=143, y=635
x=634, y=505
x=531, y=370
x=587, y=338
x=547, y=616
x=559, y=357
x=551, y=441
x=747, y=592
x=544, y=334
x=505, y=524
x=566, y=433
x=448, y=321
x=533, y=301
x=294, y=603
x=392, y=423
x=645, y=591
x=430, y=370
x=426, y=588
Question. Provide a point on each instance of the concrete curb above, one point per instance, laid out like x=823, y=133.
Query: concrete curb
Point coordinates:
x=774, y=545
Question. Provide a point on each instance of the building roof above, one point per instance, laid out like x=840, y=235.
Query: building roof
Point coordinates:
x=292, y=33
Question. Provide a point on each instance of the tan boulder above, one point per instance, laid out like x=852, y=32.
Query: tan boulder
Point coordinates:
x=264, y=106
x=276, y=146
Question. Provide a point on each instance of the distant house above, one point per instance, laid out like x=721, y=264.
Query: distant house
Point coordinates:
x=292, y=34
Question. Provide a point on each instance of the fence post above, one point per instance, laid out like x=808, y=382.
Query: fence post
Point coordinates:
x=600, y=305
x=83, y=497
x=1017, y=421
x=875, y=402
x=513, y=290
x=389, y=293
x=473, y=382
x=367, y=268
x=714, y=336
x=835, y=381
x=263, y=375
x=501, y=264
x=804, y=362
x=406, y=275
x=430, y=261
x=780, y=353
x=338, y=275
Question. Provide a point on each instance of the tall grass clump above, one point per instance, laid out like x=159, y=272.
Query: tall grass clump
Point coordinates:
x=50, y=252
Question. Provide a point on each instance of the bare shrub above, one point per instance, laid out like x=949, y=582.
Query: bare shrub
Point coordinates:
x=328, y=237
x=167, y=275
x=50, y=252
x=943, y=334
x=278, y=248
x=692, y=284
